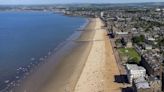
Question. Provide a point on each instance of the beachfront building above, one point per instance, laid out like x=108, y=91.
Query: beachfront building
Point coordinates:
x=134, y=71
x=151, y=61
x=141, y=85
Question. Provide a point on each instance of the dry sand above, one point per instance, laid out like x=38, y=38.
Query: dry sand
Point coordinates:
x=100, y=69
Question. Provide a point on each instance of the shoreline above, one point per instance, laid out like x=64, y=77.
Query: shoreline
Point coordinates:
x=86, y=57
x=16, y=83
x=72, y=46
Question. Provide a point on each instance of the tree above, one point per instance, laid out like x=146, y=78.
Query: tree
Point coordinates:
x=134, y=60
x=138, y=39
x=161, y=42
x=123, y=42
x=142, y=38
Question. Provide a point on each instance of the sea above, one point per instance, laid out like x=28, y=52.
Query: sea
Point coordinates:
x=27, y=38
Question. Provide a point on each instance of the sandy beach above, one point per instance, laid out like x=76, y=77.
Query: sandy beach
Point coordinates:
x=101, y=68
x=84, y=64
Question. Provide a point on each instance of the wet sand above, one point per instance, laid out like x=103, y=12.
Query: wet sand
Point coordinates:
x=63, y=68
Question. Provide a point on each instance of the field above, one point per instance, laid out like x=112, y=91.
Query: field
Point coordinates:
x=131, y=54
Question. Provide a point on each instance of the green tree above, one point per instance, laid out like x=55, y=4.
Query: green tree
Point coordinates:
x=134, y=60
x=138, y=39
x=161, y=42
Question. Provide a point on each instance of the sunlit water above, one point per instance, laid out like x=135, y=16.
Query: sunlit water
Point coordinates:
x=25, y=37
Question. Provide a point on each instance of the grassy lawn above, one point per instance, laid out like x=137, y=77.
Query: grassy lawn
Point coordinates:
x=131, y=53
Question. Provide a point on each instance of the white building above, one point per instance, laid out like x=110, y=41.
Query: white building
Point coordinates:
x=134, y=71
x=102, y=14
x=157, y=9
x=150, y=39
x=148, y=47
x=122, y=33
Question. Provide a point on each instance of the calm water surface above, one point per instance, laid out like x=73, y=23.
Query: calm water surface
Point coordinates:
x=27, y=36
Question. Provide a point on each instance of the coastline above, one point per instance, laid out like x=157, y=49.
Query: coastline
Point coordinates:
x=86, y=57
x=71, y=45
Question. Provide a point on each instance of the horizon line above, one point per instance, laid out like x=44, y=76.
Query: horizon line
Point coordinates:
x=84, y=3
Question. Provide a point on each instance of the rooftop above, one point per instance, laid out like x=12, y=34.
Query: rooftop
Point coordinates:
x=141, y=83
x=134, y=67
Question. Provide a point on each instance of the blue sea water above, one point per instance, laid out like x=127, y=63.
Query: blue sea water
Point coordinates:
x=25, y=37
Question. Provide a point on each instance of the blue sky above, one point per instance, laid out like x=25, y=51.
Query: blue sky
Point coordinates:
x=72, y=1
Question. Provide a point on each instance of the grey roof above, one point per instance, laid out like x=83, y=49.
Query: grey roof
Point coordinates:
x=153, y=59
x=141, y=83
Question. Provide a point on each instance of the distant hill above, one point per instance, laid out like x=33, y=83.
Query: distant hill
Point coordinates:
x=147, y=4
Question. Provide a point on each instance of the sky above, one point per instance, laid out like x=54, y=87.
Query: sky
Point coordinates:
x=72, y=1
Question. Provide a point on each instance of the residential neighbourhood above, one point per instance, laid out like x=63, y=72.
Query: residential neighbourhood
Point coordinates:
x=137, y=35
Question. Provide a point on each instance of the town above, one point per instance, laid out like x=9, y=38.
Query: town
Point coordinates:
x=137, y=37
